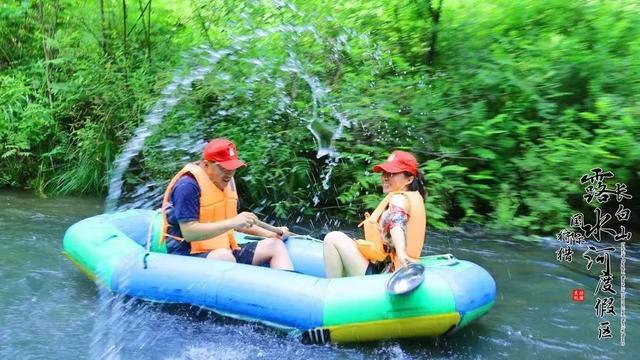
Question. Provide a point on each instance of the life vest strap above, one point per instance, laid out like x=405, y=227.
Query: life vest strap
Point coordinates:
x=374, y=249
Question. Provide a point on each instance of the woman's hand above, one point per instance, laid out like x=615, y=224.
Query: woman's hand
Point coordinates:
x=404, y=259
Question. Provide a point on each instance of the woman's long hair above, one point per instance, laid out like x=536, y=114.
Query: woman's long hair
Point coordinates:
x=417, y=184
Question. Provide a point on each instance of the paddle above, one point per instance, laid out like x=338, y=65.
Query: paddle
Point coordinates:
x=272, y=228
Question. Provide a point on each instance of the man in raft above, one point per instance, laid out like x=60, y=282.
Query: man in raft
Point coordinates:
x=200, y=213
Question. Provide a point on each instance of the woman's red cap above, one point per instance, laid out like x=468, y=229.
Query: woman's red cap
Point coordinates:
x=399, y=161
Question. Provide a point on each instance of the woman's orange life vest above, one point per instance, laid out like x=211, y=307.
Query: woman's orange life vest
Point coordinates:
x=215, y=205
x=373, y=247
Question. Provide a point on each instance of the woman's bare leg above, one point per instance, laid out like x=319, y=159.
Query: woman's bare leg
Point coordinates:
x=342, y=257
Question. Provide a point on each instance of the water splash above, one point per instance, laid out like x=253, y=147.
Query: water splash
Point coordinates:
x=172, y=93
x=326, y=122
x=108, y=334
x=324, y=133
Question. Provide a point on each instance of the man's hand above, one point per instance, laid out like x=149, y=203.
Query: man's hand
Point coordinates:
x=285, y=233
x=244, y=220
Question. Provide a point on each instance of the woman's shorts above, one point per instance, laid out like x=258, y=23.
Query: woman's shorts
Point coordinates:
x=375, y=268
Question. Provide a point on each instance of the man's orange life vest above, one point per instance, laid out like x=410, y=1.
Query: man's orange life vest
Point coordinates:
x=215, y=205
x=373, y=248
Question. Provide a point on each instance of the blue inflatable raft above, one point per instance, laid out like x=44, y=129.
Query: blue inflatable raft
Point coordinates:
x=121, y=252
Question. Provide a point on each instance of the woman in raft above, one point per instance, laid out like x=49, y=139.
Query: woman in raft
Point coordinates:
x=394, y=233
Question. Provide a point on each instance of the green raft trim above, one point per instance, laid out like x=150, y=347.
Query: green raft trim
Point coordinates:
x=348, y=302
x=157, y=233
x=82, y=269
x=98, y=257
x=474, y=314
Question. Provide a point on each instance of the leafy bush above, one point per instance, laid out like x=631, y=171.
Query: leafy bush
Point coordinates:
x=506, y=104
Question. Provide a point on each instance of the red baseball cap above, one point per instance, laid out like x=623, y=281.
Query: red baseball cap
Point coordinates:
x=224, y=153
x=399, y=161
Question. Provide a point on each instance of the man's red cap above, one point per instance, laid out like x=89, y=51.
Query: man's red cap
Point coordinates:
x=224, y=153
x=399, y=161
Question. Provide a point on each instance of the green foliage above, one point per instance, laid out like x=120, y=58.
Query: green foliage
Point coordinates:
x=521, y=100
x=25, y=127
x=70, y=93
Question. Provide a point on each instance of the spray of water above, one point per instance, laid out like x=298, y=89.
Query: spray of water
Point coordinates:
x=326, y=122
x=322, y=131
x=172, y=93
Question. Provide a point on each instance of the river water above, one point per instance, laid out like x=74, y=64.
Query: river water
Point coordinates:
x=49, y=310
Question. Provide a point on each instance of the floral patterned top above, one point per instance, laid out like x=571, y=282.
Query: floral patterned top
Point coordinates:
x=392, y=217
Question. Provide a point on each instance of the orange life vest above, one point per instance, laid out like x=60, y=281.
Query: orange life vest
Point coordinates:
x=373, y=247
x=215, y=205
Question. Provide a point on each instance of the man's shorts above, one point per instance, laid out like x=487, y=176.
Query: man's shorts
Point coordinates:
x=244, y=255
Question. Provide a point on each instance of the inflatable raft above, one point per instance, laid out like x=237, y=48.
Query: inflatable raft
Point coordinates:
x=121, y=252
